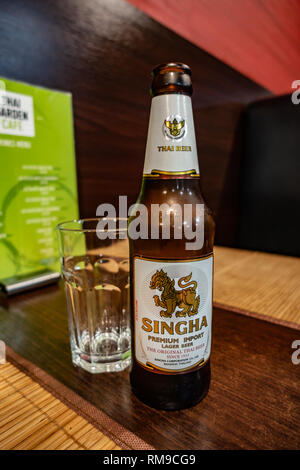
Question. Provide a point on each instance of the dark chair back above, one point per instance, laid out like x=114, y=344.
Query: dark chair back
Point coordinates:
x=270, y=177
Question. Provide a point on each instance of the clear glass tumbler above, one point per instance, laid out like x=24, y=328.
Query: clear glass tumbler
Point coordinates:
x=95, y=271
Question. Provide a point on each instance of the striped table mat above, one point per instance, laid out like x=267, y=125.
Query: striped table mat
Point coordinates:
x=37, y=413
x=258, y=284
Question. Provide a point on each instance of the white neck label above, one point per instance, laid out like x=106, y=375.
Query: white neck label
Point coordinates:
x=171, y=144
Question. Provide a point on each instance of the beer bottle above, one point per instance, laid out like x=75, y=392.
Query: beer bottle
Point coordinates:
x=171, y=276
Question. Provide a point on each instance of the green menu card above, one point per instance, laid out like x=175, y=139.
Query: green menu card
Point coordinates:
x=37, y=178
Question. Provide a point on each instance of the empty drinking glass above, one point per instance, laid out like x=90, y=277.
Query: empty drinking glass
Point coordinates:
x=95, y=271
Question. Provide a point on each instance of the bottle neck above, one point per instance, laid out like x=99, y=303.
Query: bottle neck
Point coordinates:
x=171, y=149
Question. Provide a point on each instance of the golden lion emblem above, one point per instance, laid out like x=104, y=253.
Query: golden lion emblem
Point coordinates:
x=171, y=298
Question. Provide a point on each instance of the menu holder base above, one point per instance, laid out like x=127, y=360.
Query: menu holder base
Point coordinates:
x=18, y=284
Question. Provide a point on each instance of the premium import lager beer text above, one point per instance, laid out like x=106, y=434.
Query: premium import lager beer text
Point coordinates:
x=172, y=268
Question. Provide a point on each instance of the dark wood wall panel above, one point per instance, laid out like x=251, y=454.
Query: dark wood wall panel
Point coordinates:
x=103, y=52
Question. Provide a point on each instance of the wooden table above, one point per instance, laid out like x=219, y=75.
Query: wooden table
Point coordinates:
x=254, y=399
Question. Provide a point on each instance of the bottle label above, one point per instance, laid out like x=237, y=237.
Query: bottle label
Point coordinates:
x=173, y=314
x=171, y=144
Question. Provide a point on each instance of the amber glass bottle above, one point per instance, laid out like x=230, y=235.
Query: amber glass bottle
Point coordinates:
x=171, y=277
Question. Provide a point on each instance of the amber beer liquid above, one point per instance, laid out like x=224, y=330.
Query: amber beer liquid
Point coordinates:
x=171, y=287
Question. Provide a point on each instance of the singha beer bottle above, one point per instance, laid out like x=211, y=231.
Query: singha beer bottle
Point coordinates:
x=171, y=288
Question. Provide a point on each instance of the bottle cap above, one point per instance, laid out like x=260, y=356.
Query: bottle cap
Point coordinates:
x=173, y=77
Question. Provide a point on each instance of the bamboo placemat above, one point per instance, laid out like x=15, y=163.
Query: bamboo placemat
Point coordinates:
x=259, y=284
x=39, y=413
